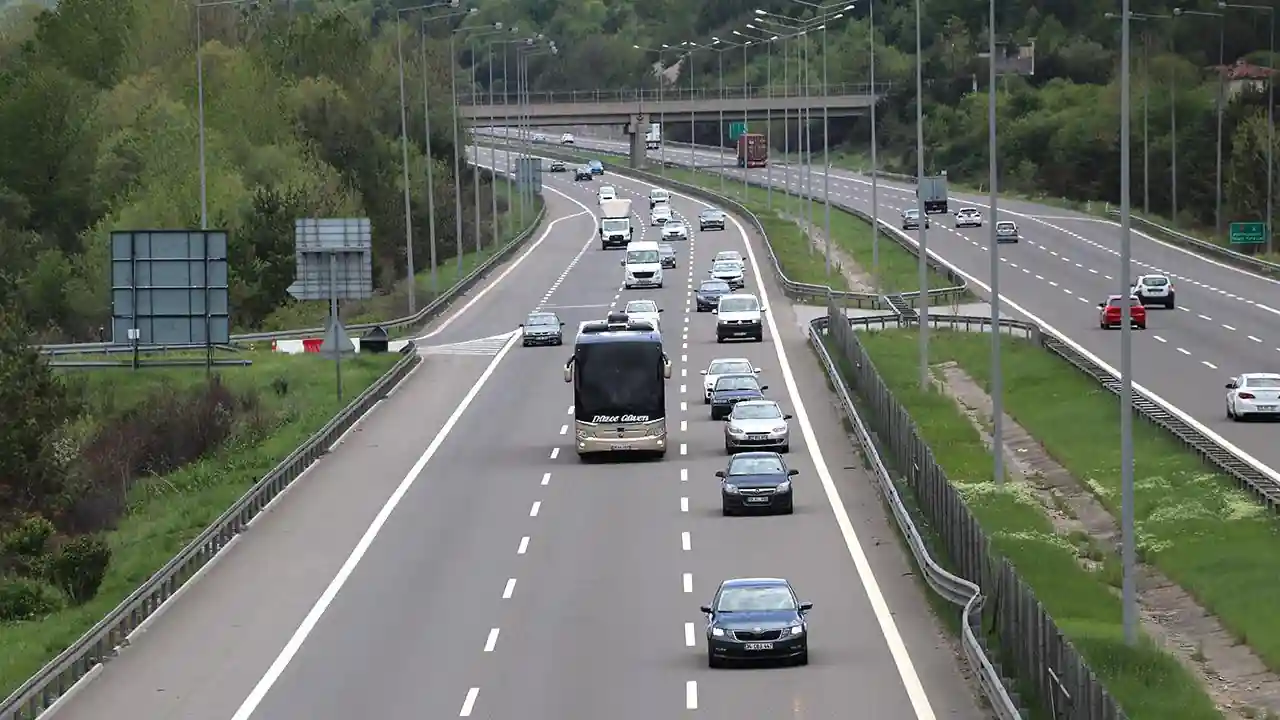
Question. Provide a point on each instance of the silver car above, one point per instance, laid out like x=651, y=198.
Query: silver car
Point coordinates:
x=729, y=272
x=757, y=424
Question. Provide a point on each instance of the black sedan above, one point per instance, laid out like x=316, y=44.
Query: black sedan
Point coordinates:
x=583, y=173
x=558, y=166
x=757, y=619
x=711, y=219
x=709, y=292
x=756, y=481
x=542, y=328
x=730, y=390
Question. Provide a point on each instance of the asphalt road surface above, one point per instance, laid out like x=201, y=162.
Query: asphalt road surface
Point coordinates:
x=495, y=576
x=1226, y=322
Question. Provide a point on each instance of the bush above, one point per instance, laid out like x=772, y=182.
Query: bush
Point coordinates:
x=23, y=550
x=25, y=598
x=79, y=567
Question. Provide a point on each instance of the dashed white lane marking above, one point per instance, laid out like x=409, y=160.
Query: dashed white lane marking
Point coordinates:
x=689, y=638
x=684, y=388
x=469, y=703
x=1209, y=365
x=684, y=505
x=1255, y=339
x=533, y=511
x=684, y=474
x=564, y=429
x=510, y=588
x=686, y=542
x=1184, y=351
x=546, y=478
x=686, y=579
x=555, y=453
x=691, y=695
x=684, y=449
x=684, y=426
x=524, y=545
x=491, y=641
x=570, y=410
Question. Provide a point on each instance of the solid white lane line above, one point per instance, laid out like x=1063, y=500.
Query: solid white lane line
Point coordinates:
x=687, y=581
x=686, y=542
x=470, y=703
x=546, y=478
x=689, y=637
x=533, y=511
x=491, y=640
x=524, y=545
x=691, y=695
x=291, y=648
x=510, y=588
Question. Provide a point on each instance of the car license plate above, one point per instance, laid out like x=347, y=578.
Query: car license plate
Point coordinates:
x=757, y=646
x=757, y=499
x=758, y=436
x=619, y=447
x=1266, y=408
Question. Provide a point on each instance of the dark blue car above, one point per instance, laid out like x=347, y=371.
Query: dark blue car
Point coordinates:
x=731, y=390
x=756, y=482
x=709, y=292
x=757, y=619
x=597, y=167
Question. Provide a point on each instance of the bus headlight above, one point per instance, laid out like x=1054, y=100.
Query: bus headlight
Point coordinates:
x=582, y=434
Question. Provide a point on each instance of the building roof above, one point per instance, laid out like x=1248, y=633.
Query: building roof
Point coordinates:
x=1242, y=70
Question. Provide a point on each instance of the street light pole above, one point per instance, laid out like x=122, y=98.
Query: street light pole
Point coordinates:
x=768, y=111
x=1128, y=592
x=923, y=274
x=993, y=170
x=875, y=163
x=1271, y=107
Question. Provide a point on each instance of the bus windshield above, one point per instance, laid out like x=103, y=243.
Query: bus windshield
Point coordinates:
x=615, y=379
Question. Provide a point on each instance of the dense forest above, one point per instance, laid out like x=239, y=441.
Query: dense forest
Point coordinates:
x=1059, y=128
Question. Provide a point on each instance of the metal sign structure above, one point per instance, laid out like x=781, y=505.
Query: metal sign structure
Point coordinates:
x=169, y=287
x=737, y=130
x=1248, y=233
x=529, y=174
x=334, y=262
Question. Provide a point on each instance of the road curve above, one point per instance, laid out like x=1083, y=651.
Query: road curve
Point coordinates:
x=1227, y=320
x=507, y=580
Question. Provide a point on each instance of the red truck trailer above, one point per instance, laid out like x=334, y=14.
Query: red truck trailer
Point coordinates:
x=753, y=152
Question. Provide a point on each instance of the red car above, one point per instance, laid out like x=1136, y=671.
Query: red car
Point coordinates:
x=1111, y=311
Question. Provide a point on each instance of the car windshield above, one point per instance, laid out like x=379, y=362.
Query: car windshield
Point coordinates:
x=755, y=465
x=969, y=211
x=711, y=214
x=1005, y=226
x=642, y=306
x=535, y=320
x=729, y=366
x=1155, y=281
x=724, y=267
x=635, y=257
x=738, y=304
x=595, y=163
x=1261, y=382
x=738, y=382
x=912, y=213
x=728, y=257
x=666, y=250
x=675, y=226
x=661, y=210
x=715, y=286
x=757, y=412
x=757, y=598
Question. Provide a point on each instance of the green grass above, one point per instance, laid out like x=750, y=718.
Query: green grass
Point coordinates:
x=1192, y=523
x=388, y=306
x=168, y=512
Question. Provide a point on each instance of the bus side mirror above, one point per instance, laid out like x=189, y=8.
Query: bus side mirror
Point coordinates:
x=666, y=370
x=623, y=263
x=715, y=311
x=568, y=373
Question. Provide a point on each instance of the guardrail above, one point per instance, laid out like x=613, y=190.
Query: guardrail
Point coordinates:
x=797, y=290
x=105, y=639
x=752, y=92
x=1203, y=247
x=1030, y=642
x=430, y=311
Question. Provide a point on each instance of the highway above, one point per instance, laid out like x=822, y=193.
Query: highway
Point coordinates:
x=1227, y=320
x=452, y=557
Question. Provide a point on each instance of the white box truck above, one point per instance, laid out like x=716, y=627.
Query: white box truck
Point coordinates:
x=615, y=223
x=653, y=138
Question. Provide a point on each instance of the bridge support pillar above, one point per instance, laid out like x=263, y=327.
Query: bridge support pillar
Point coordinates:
x=635, y=131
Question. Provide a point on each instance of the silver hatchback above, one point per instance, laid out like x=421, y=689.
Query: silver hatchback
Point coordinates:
x=757, y=424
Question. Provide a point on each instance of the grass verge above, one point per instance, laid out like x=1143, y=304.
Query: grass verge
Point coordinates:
x=1205, y=535
x=390, y=305
x=165, y=513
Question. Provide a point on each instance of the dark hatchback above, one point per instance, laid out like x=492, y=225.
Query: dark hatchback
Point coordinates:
x=757, y=619
x=756, y=481
x=558, y=166
x=542, y=329
x=711, y=219
x=582, y=173
x=731, y=390
x=709, y=292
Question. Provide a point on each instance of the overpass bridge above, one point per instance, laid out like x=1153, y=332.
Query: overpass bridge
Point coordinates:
x=634, y=109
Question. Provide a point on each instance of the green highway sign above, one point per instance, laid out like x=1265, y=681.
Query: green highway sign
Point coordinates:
x=1248, y=233
x=736, y=130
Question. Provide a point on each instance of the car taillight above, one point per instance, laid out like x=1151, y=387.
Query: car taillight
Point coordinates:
x=1245, y=396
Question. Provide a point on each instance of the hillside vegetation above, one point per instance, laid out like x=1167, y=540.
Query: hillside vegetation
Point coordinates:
x=1059, y=129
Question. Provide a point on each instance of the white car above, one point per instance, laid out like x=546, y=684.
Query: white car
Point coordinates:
x=566, y=139
x=1253, y=395
x=675, y=230
x=646, y=310
x=728, y=271
x=732, y=256
x=724, y=366
x=757, y=425
x=1154, y=290
x=607, y=192
x=539, y=137
x=660, y=214
x=968, y=217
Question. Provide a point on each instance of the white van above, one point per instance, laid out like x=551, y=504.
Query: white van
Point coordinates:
x=643, y=265
x=658, y=195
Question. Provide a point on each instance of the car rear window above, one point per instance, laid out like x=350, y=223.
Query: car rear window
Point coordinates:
x=1155, y=282
x=1262, y=382
x=1117, y=302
